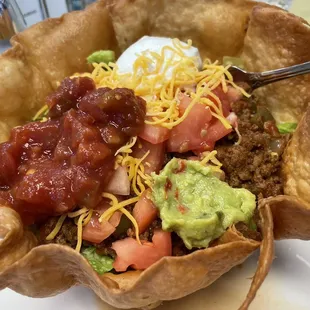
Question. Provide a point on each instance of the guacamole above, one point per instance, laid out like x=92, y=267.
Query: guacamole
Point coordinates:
x=197, y=205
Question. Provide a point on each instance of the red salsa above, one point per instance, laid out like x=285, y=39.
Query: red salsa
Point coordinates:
x=48, y=168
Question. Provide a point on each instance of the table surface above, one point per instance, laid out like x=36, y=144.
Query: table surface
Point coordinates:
x=286, y=287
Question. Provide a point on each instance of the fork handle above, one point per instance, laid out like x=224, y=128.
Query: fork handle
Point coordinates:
x=267, y=77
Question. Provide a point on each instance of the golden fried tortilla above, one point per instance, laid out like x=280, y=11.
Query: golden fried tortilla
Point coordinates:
x=277, y=39
x=217, y=28
x=265, y=37
x=296, y=163
x=50, y=269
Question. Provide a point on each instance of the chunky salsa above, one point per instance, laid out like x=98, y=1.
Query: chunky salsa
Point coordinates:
x=50, y=167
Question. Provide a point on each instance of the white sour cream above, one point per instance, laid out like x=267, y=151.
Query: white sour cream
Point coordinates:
x=149, y=44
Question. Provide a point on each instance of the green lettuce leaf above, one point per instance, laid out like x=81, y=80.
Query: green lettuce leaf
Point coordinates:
x=233, y=61
x=286, y=127
x=101, y=56
x=101, y=264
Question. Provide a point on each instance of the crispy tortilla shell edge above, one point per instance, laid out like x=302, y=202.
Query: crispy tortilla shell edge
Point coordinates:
x=47, y=270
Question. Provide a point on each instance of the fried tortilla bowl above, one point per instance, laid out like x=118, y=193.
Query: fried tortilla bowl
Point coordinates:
x=265, y=37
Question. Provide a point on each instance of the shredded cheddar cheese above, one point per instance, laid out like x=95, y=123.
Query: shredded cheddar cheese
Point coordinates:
x=134, y=167
x=80, y=231
x=77, y=213
x=57, y=228
x=127, y=147
x=116, y=205
x=159, y=78
x=82, y=218
x=211, y=157
x=120, y=206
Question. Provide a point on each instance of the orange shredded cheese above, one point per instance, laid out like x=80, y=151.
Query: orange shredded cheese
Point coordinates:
x=57, y=228
x=150, y=80
x=134, y=167
x=120, y=206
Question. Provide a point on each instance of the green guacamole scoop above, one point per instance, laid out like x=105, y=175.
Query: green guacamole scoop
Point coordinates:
x=197, y=205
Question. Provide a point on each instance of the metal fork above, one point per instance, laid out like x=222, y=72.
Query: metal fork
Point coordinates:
x=259, y=79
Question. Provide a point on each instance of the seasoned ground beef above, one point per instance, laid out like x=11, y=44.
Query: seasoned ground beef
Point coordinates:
x=104, y=248
x=66, y=236
x=178, y=246
x=253, y=164
x=252, y=230
x=248, y=233
x=148, y=234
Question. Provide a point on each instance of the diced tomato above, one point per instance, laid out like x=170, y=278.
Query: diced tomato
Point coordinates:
x=216, y=131
x=223, y=98
x=95, y=231
x=189, y=134
x=131, y=253
x=154, y=133
x=144, y=212
x=205, y=146
x=227, y=99
x=119, y=183
x=155, y=160
x=233, y=94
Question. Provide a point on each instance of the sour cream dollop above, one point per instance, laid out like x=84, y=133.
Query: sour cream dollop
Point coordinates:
x=146, y=45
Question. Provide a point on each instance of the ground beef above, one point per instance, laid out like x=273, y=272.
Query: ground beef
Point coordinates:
x=247, y=232
x=66, y=236
x=178, y=246
x=251, y=230
x=148, y=234
x=252, y=164
x=104, y=248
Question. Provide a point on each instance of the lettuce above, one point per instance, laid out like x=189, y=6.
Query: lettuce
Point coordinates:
x=233, y=61
x=285, y=128
x=100, y=263
x=101, y=56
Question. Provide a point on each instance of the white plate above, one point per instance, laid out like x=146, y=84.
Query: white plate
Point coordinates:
x=286, y=288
